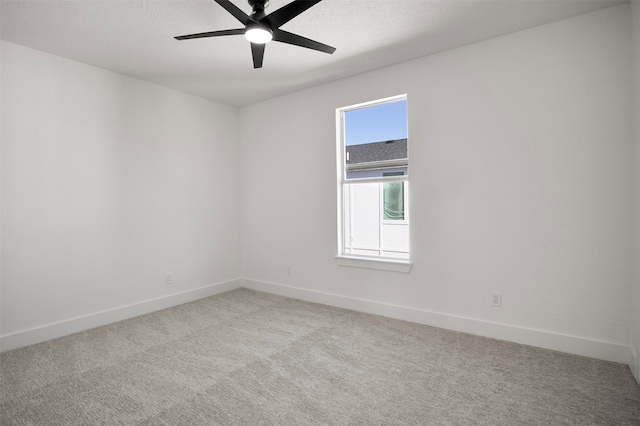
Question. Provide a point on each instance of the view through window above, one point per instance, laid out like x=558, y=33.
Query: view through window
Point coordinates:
x=373, y=179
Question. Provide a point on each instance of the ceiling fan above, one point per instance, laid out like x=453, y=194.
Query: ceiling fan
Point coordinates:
x=260, y=28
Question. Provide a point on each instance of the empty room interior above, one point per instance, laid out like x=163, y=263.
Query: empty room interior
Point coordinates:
x=190, y=235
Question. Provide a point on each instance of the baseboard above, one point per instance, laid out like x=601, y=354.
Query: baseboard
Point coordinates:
x=634, y=363
x=539, y=338
x=75, y=325
x=544, y=339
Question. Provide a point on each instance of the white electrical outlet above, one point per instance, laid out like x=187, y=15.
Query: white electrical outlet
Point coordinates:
x=496, y=299
x=168, y=279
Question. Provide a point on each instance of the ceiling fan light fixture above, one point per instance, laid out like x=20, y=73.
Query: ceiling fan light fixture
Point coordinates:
x=260, y=28
x=258, y=34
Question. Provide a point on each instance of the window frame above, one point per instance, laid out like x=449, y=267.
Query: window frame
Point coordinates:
x=364, y=261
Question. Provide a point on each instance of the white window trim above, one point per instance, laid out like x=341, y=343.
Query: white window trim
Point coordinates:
x=383, y=264
x=360, y=261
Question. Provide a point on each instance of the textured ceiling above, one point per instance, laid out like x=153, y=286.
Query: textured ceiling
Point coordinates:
x=135, y=37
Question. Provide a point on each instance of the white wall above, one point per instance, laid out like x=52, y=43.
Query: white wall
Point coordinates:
x=107, y=183
x=635, y=296
x=521, y=182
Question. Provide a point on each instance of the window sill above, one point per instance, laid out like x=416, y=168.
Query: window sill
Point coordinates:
x=392, y=265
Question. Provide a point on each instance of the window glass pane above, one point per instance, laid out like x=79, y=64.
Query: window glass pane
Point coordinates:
x=376, y=123
x=375, y=139
x=393, y=201
x=362, y=218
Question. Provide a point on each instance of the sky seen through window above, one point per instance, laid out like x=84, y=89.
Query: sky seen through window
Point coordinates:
x=376, y=123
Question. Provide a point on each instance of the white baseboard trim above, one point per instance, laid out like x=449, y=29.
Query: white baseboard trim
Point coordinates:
x=544, y=339
x=634, y=363
x=75, y=325
x=539, y=338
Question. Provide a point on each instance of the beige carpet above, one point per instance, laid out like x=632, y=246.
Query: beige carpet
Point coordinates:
x=250, y=358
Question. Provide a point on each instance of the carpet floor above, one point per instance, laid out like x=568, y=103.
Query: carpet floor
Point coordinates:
x=252, y=358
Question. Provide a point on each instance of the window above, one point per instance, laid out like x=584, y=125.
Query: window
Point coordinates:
x=373, y=182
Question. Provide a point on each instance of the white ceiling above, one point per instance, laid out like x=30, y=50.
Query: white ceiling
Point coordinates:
x=135, y=37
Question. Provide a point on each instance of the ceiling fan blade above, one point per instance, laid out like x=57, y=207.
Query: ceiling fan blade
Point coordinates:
x=237, y=31
x=290, y=38
x=287, y=13
x=235, y=11
x=257, y=50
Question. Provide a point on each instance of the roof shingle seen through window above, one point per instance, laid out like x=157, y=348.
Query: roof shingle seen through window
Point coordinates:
x=377, y=151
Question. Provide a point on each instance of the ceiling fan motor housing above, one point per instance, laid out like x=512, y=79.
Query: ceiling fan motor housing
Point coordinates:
x=258, y=7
